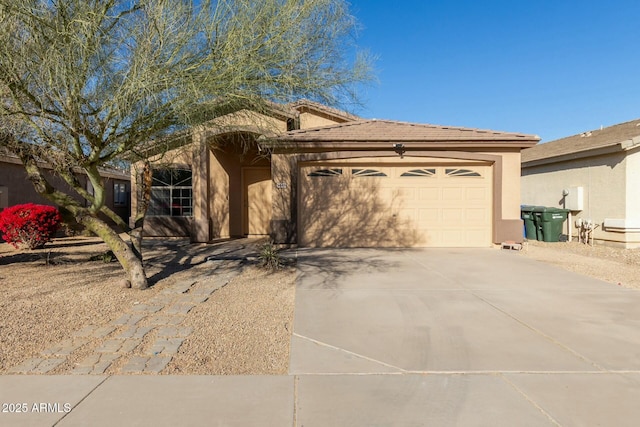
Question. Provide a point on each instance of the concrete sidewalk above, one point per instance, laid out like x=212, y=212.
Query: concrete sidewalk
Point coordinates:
x=393, y=337
x=515, y=399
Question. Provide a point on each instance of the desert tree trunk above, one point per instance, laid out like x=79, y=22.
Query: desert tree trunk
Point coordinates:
x=127, y=257
x=144, y=198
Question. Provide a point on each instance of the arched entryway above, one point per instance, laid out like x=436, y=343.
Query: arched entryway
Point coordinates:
x=239, y=186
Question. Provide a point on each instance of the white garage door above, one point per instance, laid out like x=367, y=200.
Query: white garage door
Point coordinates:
x=391, y=206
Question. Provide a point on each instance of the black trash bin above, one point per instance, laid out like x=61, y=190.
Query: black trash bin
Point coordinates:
x=526, y=214
x=549, y=222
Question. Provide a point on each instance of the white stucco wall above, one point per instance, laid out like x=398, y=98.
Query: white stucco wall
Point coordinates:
x=603, y=178
x=632, y=210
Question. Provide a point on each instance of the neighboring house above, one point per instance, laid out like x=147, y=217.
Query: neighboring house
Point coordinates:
x=595, y=175
x=322, y=177
x=15, y=187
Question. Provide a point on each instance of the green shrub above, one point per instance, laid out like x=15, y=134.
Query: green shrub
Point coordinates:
x=105, y=257
x=269, y=257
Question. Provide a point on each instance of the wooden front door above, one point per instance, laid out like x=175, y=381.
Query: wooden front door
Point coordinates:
x=257, y=200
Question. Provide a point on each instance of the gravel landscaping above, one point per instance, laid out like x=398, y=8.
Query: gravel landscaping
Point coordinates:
x=63, y=314
x=48, y=296
x=617, y=266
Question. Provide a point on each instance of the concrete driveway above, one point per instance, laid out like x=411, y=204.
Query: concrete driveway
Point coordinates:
x=460, y=337
x=396, y=338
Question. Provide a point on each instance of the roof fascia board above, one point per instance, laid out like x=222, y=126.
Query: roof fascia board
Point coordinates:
x=443, y=143
x=630, y=144
x=310, y=106
x=10, y=159
x=592, y=152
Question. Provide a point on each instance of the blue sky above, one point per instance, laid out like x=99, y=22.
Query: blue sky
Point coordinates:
x=551, y=68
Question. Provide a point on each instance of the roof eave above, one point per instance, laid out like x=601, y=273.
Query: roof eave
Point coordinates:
x=591, y=152
x=440, y=143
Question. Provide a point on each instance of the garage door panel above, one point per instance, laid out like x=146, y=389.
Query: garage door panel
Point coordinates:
x=475, y=216
x=453, y=193
x=429, y=194
x=453, y=237
x=389, y=194
x=476, y=194
x=366, y=183
x=406, y=193
x=477, y=237
x=408, y=214
x=429, y=216
x=425, y=208
x=455, y=216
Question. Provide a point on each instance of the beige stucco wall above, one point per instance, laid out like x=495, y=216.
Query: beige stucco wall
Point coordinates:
x=603, y=178
x=510, y=185
x=282, y=175
x=247, y=119
x=200, y=227
x=218, y=197
x=309, y=120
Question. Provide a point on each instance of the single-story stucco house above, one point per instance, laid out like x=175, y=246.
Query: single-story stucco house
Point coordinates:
x=16, y=189
x=595, y=175
x=322, y=177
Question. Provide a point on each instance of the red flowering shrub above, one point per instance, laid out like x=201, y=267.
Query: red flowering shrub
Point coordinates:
x=29, y=224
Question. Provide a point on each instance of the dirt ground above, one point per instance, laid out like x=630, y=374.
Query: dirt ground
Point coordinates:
x=244, y=327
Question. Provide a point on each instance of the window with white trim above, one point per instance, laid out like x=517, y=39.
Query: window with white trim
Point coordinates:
x=171, y=193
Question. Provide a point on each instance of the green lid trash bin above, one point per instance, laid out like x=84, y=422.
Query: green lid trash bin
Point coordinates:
x=536, y=211
x=550, y=221
x=530, y=230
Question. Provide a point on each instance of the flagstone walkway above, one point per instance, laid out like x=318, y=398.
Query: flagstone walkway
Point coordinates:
x=142, y=340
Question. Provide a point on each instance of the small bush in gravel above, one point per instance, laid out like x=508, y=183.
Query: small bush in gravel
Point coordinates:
x=105, y=257
x=269, y=257
x=29, y=225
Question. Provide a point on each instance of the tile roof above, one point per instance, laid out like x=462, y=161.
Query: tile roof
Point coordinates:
x=395, y=131
x=595, y=139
